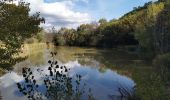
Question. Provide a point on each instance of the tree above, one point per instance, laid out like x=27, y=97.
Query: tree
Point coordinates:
x=145, y=27
x=162, y=30
x=40, y=36
x=16, y=26
x=102, y=21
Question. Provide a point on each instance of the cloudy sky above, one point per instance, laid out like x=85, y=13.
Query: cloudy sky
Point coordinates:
x=71, y=13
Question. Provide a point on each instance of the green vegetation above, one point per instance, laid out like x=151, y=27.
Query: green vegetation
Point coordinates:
x=37, y=38
x=16, y=26
x=107, y=34
x=140, y=26
x=162, y=65
x=144, y=32
x=149, y=85
x=59, y=84
x=146, y=28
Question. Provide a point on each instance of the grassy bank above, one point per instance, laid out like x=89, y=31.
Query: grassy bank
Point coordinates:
x=28, y=49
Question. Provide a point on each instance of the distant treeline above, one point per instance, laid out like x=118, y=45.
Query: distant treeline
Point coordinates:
x=102, y=34
x=146, y=26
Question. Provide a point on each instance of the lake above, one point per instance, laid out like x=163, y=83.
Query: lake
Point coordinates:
x=106, y=74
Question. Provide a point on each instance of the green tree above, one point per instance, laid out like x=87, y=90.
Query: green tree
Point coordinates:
x=40, y=36
x=102, y=21
x=162, y=30
x=145, y=26
x=16, y=26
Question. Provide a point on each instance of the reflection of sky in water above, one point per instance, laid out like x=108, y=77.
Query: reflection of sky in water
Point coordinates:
x=102, y=84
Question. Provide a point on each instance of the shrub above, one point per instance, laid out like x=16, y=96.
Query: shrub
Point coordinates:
x=149, y=86
x=162, y=65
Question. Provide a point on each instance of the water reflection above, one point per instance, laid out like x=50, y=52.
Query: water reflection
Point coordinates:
x=57, y=85
x=100, y=82
x=103, y=86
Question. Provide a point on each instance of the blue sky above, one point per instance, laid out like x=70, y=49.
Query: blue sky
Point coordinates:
x=72, y=13
x=108, y=9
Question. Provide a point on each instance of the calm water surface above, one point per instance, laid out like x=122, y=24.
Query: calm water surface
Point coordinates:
x=101, y=70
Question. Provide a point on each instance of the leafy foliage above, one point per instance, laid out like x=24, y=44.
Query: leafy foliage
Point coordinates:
x=16, y=26
x=107, y=34
x=57, y=83
x=162, y=65
x=149, y=85
x=146, y=26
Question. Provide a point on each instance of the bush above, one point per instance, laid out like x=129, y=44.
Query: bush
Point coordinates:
x=149, y=85
x=162, y=65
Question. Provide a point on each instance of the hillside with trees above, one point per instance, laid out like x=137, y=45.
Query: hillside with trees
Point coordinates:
x=137, y=27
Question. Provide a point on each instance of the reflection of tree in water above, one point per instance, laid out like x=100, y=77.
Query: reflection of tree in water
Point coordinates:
x=58, y=85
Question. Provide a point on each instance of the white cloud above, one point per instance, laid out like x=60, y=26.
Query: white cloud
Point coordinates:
x=59, y=14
